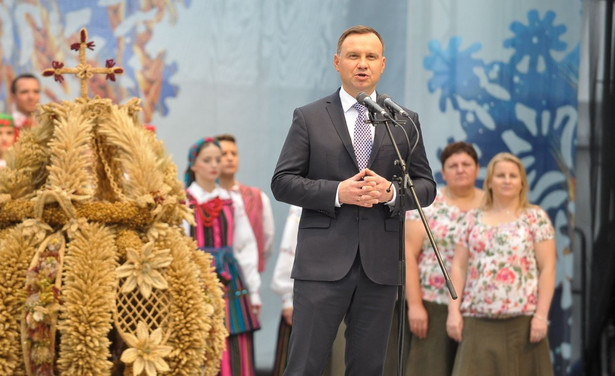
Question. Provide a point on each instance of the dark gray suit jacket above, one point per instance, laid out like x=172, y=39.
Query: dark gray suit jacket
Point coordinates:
x=317, y=155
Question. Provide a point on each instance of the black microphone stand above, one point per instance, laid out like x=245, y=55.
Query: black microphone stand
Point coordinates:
x=405, y=183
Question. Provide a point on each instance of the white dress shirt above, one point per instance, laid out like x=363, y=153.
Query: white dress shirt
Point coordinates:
x=281, y=283
x=351, y=114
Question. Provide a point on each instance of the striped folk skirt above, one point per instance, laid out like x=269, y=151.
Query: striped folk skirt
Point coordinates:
x=238, y=357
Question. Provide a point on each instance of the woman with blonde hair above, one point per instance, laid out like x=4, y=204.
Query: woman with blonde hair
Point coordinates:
x=504, y=271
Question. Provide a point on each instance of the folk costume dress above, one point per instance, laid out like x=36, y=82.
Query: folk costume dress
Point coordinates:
x=500, y=297
x=222, y=229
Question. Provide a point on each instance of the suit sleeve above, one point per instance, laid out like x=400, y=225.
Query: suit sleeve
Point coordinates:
x=292, y=182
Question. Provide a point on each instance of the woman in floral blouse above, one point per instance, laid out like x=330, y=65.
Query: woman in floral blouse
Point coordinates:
x=504, y=269
x=432, y=352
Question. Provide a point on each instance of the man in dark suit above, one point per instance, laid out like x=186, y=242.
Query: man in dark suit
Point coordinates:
x=347, y=257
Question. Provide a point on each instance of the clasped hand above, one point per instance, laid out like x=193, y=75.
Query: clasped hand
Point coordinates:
x=365, y=189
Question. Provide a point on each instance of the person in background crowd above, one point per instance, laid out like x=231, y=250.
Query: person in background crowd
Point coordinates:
x=7, y=136
x=282, y=284
x=432, y=351
x=504, y=272
x=256, y=203
x=222, y=229
x=26, y=90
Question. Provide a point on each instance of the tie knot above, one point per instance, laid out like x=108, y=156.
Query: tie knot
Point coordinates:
x=359, y=107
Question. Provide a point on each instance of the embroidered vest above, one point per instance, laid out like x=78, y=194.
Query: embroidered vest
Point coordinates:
x=253, y=204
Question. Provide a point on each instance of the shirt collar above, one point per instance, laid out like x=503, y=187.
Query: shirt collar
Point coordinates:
x=18, y=118
x=348, y=100
x=201, y=195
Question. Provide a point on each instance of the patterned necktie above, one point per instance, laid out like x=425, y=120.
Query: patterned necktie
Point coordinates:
x=362, y=137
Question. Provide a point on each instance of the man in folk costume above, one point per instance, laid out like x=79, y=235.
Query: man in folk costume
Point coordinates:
x=256, y=203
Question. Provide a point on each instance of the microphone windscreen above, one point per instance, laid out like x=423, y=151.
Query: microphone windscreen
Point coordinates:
x=361, y=97
x=380, y=99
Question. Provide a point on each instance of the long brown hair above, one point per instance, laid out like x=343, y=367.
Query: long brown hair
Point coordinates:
x=505, y=157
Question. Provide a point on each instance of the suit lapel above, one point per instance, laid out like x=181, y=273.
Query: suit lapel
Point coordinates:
x=336, y=114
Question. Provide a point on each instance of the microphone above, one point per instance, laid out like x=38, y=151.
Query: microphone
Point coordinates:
x=372, y=106
x=387, y=102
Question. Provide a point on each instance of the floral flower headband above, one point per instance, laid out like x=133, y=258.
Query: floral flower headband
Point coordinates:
x=6, y=120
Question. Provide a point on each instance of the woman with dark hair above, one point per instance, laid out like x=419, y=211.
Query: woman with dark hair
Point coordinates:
x=222, y=229
x=504, y=270
x=432, y=352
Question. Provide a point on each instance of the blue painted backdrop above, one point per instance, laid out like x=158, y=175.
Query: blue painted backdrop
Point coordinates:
x=502, y=75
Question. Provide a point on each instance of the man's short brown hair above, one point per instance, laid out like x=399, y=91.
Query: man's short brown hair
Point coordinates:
x=358, y=29
x=226, y=137
x=23, y=75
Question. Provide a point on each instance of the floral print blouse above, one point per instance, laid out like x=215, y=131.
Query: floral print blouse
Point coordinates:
x=445, y=221
x=502, y=273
